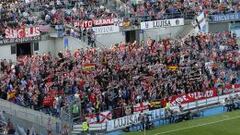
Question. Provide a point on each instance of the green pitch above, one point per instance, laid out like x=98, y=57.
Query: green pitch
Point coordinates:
x=224, y=124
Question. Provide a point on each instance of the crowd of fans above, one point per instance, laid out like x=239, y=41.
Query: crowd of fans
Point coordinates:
x=7, y=127
x=18, y=13
x=121, y=76
x=162, y=9
x=127, y=74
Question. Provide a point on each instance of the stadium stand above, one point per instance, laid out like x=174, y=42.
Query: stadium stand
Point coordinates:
x=128, y=78
x=162, y=69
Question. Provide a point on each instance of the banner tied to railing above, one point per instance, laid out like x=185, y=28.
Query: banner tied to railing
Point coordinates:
x=162, y=23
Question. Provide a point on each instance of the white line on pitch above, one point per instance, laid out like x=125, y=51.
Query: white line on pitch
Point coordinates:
x=200, y=125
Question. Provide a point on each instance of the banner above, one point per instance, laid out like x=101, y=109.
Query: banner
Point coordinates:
x=89, y=67
x=231, y=89
x=106, y=29
x=191, y=97
x=162, y=23
x=225, y=17
x=203, y=98
x=202, y=23
x=155, y=104
x=156, y=114
x=22, y=32
x=126, y=24
x=44, y=28
x=172, y=68
x=100, y=118
x=141, y=107
x=92, y=23
x=28, y=1
x=6, y=41
x=123, y=122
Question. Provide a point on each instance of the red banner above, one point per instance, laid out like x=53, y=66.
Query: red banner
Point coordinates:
x=191, y=97
x=231, y=88
x=91, y=23
x=22, y=32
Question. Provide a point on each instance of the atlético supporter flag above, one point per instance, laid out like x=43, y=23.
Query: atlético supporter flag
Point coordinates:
x=88, y=67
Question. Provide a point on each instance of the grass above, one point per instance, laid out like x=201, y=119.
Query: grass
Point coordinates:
x=224, y=124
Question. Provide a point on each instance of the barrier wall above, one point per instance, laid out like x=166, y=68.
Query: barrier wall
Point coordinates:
x=126, y=121
x=5, y=53
x=28, y=118
x=218, y=27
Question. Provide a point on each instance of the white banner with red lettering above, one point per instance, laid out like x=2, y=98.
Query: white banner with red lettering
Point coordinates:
x=103, y=117
x=190, y=97
x=231, y=89
x=22, y=32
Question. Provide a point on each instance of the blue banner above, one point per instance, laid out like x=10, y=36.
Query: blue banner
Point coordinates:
x=225, y=17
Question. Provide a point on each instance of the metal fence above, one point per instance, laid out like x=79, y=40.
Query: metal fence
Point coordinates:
x=196, y=108
x=28, y=118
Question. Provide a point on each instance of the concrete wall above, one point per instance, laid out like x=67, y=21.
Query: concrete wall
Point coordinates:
x=161, y=32
x=107, y=40
x=46, y=46
x=53, y=45
x=5, y=53
x=58, y=43
x=28, y=118
x=73, y=44
x=218, y=27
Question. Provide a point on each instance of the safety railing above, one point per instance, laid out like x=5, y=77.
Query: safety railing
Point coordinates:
x=22, y=115
x=83, y=37
x=158, y=114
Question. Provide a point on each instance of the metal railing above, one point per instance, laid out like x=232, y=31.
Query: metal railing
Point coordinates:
x=83, y=38
x=196, y=107
x=28, y=117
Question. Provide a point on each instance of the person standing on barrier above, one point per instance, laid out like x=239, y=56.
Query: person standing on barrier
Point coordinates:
x=237, y=101
x=64, y=130
x=85, y=127
x=142, y=121
x=168, y=105
x=168, y=112
x=231, y=100
x=227, y=104
x=75, y=110
x=50, y=133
